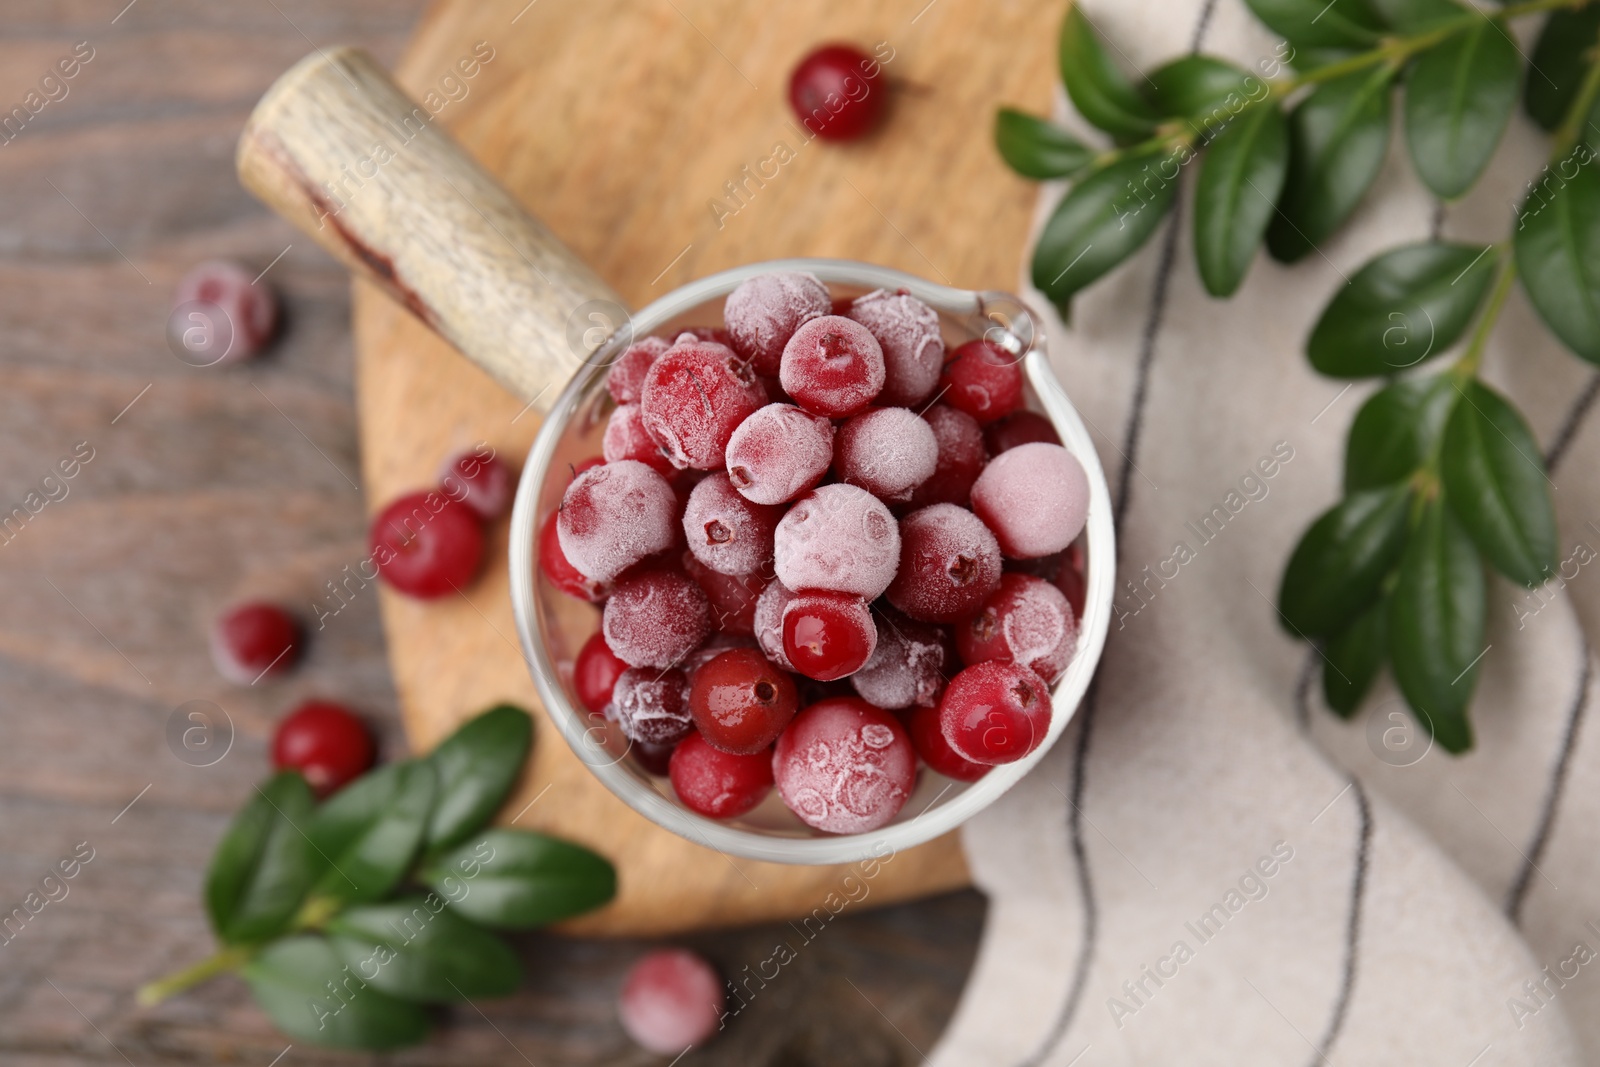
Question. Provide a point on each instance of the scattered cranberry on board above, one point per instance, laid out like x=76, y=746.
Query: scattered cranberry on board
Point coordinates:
x=837, y=91
x=426, y=545
x=671, y=1000
x=250, y=308
x=326, y=743
x=480, y=480
x=253, y=641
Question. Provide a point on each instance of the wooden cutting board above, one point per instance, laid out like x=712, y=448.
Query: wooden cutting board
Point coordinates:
x=622, y=125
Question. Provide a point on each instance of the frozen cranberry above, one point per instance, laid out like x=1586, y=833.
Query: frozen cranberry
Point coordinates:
x=886, y=451
x=732, y=596
x=325, y=743
x=251, y=310
x=480, y=480
x=626, y=438
x=716, y=783
x=671, y=1000
x=828, y=636
x=655, y=618
x=613, y=516
x=840, y=538
x=653, y=759
x=726, y=532
x=765, y=311
x=837, y=93
x=913, y=349
x=982, y=379
x=694, y=397
x=426, y=545
x=995, y=712
x=949, y=563
x=778, y=453
x=741, y=702
x=1021, y=428
x=844, y=766
x=625, y=378
x=961, y=457
x=910, y=665
x=928, y=740
x=1071, y=581
x=715, y=646
x=768, y=622
x=595, y=672
x=652, y=706
x=1034, y=497
x=560, y=571
x=253, y=641
x=832, y=366
x=1027, y=621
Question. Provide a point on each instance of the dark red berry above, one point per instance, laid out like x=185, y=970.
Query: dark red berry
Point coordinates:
x=1071, y=581
x=832, y=366
x=1027, y=621
x=741, y=702
x=928, y=740
x=254, y=641
x=652, y=759
x=325, y=743
x=828, y=635
x=671, y=1000
x=837, y=91
x=733, y=597
x=250, y=310
x=982, y=379
x=481, y=482
x=1020, y=428
x=652, y=706
x=949, y=563
x=426, y=545
x=961, y=457
x=844, y=766
x=560, y=572
x=716, y=783
x=995, y=712
x=595, y=672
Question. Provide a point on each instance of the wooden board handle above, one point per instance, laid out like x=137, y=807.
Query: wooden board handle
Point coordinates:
x=339, y=150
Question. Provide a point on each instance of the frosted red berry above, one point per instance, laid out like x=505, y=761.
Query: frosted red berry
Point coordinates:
x=767, y=622
x=741, y=702
x=250, y=308
x=625, y=378
x=595, y=672
x=695, y=396
x=886, y=451
x=732, y=597
x=426, y=545
x=253, y=641
x=960, y=460
x=828, y=636
x=560, y=572
x=765, y=311
x=655, y=618
x=652, y=706
x=995, y=712
x=481, y=481
x=837, y=92
x=844, y=766
x=839, y=538
x=626, y=438
x=913, y=348
x=1027, y=621
x=909, y=666
x=982, y=379
x=1035, y=498
x=326, y=743
x=832, y=366
x=613, y=516
x=928, y=740
x=949, y=564
x=725, y=531
x=778, y=453
x=719, y=784
x=671, y=1000
x=1019, y=428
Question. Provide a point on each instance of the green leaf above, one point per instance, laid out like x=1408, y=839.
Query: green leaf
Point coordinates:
x=1436, y=615
x=368, y=833
x=1338, y=136
x=418, y=948
x=1558, y=251
x=1493, y=475
x=1305, y=59
x=1397, y=431
x=1338, y=566
x=1354, y=658
x=312, y=996
x=477, y=766
x=1098, y=88
x=1198, y=88
x=1103, y=221
x=516, y=879
x=1407, y=305
x=1559, y=60
x=1339, y=24
x=1236, y=195
x=1038, y=149
x=1458, y=101
x=264, y=865
x=1412, y=16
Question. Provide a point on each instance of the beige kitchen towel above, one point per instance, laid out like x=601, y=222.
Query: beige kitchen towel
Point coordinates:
x=1210, y=868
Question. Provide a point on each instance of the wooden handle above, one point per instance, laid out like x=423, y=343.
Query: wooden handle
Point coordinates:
x=339, y=150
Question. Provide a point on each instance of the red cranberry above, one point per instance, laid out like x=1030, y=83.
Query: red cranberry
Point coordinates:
x=695, y=396
x=652, y=706
x=325, y=743
x=625, y=378
x=949, y=563
x=1021, y=428
x=725, y=531
x=961, y=457
x=1034, y=497
x=828, y=635
x=654, y=760
x=840, y=538
x=886, y=451
x=671, y=1000
x=254, y=641
x=995, y=712
x=733, y=597
x=595, y=672
x=627, y=438
x=481, y=482
x=719, y=784
x=656, y=618
x=910, y=665
x=928, y=740
x=560, y=572
x=765, y=311
x=778, y=453
x=426, y=545
x=251, y=310
x=913, y=348
x=1071, y=581
x=740, y=702
x=615, y=515
x=832, y=366
x=844, y=767
x=837, y=92
x=768, y=622
x=714, y=647
x=1026, y=621
x=982, y=379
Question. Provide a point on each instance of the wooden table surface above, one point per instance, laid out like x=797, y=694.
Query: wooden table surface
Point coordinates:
x=211, y=484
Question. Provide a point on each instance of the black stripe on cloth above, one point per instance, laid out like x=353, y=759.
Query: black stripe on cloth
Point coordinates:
x=1570, y=426
x=1352, y=929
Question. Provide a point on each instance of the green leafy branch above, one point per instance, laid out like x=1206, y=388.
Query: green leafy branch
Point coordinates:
x=1442, y=474
x=347, y=918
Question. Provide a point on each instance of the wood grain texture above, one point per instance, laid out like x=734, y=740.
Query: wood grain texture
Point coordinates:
x=655, y=140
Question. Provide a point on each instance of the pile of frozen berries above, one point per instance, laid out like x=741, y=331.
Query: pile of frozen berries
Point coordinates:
x=825, y=548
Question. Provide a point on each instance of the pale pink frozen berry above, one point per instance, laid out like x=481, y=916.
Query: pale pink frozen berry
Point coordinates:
x=625, y=378
x=652, y=706
x=671, y=1000
x=778, y=453
x=250, y=308
x=765, y=311
x=949, y=564
x=1027, y=621
x=961, y=457
x=614, y=515
x=768, y=622
x=886, y=451
x=1035, y=498
x=725, y=531
x=844, y=766
x=832, y=366
x=840, y=538
x=656, y=618
x=626, y=438
x=913, y=348
x=909, y=667
x=694, y=396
